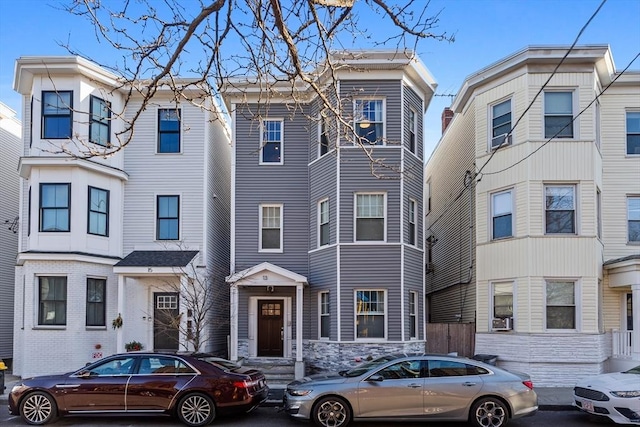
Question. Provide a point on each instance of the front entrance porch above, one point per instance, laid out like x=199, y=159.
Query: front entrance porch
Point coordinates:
x=266, y=314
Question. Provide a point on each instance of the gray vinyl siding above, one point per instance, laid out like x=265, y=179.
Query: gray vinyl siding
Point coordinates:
x=286, y=184
x=322, y=277
x=413, y=279
x=218, y=229
x=357, y=178
x=9, y=202
x=413, y=189
x=322, y=185
x=412, y=100
x=370, y=267
x=153, y=174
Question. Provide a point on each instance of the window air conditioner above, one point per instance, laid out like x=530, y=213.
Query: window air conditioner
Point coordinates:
x=502, y=324
x=499, y=140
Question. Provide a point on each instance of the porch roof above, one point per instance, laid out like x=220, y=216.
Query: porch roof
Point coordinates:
x=266, y=267
x=157, y=259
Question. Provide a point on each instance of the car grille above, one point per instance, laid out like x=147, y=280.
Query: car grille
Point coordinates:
x=590, y=394
x=631, y=415
x=596, y=409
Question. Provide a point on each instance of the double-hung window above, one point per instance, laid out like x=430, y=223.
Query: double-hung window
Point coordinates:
x=370, y=314
x=502, y=300
x=323, y=221
x=270, y=228
x=98, y=212
x=561, y=306
x=633, y=132
x=57, y=114
x=413, y=130
x=272, y=142
x=560, y=209
x=52, y=301
x=55, y=206
x=558, y=114
x=501, y=215
x=633, y=218
x=96, y=302
x=99, y=121
x=413, y=215
x=168, y=217
x=413, y=314
x=369, y=121
x=168, y=130
x=325, y=314
x=370, y=217
x=500, y=123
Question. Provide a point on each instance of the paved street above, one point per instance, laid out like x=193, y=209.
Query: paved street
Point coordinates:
x=270, y=417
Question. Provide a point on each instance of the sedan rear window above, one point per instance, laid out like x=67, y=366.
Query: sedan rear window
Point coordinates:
x=449, y=368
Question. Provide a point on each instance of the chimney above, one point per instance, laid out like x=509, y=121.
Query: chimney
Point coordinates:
x=447, y=115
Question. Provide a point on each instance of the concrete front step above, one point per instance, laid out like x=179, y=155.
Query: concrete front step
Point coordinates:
x=278, y=372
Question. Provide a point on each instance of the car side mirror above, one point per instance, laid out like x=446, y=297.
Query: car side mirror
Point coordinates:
x=375, y=377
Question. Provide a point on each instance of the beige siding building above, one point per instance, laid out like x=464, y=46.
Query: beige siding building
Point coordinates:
x=555, y=187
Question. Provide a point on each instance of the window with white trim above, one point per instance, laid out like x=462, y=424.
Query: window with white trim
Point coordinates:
x=55, y=207
x=413, y=130
x=370, y=217
x=96, y=302
x=57, y=114
x=168, y=218
x=323, y=134
x=502, y=300
x=561, y=304
x=500, y=123
x=413, y=314
x=52, y=300
x=560, y=209
x=270, y=228
x=100, y=121
x=325, y=314
x=633, y=218
x=323, y=222
x=413, y=215
x=369, y=120
x=501, y=215
x=271, y=142
x=370, y=314
x=633, y=132
x=558, y=114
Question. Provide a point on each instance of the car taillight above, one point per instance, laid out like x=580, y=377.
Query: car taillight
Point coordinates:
x=240, y=384
x=528, y=383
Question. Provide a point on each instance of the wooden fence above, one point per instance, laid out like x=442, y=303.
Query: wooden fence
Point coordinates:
x=451, y=337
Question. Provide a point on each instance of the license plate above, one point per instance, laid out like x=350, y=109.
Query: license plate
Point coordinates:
x=587, y=406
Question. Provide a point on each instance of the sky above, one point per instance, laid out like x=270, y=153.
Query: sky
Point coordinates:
x=486, y=31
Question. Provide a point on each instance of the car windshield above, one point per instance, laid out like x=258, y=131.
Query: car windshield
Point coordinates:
x=365, y=367
x=635, y=370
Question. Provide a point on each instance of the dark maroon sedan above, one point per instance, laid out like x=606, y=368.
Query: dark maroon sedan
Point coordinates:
x=195, y=389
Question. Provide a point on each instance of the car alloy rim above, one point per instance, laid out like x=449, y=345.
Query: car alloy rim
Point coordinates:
x=196, y=410
x=332, y=414
x=37, y=408
x=490, y=414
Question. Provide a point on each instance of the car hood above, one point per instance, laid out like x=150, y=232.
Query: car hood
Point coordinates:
x=614, y=382
x=46, y=379
x=324, y=378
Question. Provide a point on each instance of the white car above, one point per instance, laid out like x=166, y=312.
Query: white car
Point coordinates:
x=615, y=395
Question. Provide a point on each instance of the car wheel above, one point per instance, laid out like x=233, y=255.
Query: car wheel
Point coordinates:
x=196, y=410
x=331, y=412
x=489, y=412
x=38, y=408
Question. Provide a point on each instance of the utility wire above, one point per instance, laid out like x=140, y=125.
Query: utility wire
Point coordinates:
x=568, y=124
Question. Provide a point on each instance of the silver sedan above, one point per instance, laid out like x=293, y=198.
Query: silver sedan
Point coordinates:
x=413, y=387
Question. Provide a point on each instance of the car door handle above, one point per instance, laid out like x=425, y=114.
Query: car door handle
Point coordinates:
x=468, y=384
x=414, y=385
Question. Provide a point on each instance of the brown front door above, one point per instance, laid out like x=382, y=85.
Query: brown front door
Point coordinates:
x=270, y=328
x=166, y=321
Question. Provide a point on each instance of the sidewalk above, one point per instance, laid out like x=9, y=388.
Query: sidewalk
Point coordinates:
x=549, y=398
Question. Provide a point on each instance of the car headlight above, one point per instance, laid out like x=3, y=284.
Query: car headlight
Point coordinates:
x=298, y=392
x=626, y=394
x=17, y=388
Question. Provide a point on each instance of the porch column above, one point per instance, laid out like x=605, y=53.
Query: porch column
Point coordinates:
x=182, y=328
x=299, y=367
x=635, y=335
x=233, y=327
x=119, y=333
